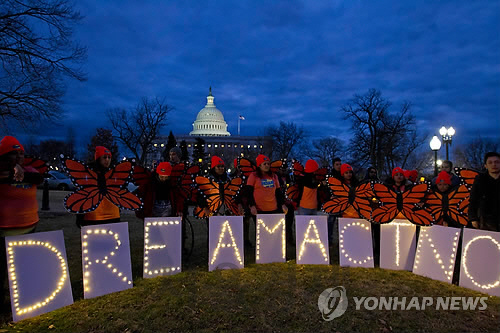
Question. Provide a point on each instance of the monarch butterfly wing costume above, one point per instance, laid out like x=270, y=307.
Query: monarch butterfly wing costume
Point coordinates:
x=176, y=174
x=246, y=166
x=298, y=169
x=411, y=211
x=36, y=163
x=276, y=166
x=321, y=174
x=231, y=190
x=434, y=205
x=90, y=190
x=340, y=197
x=188, y=189
x=458, y=205
x=87, y=196
x=117, y=192
x=141, y=176
x=292, y=193
x=210, y=190
x=388, y=209
x=363, y=196
x=467, y=176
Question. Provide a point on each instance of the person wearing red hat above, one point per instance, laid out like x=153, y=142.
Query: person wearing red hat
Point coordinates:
x=309, y=196
x=263, y=191
x=347, y=176
x=18, y=203
x=106, y=212
x=161, y=198
x=219, y=175
x=448, y=167
x=397, y=182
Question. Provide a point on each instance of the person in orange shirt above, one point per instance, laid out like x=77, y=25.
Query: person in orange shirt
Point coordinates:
x=308, y=190
x=107, y=212
x=18, y=203
x=262, y=192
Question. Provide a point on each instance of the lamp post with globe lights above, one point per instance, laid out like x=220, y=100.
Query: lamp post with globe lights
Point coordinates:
x=447, y=134
x=435, y=146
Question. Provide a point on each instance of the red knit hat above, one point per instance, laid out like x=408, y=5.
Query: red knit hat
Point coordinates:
x=398, y=170
x=101, y=151
x=164, y=169
x=443, y=177
x=261, y=159
x=344, y=168
x=216, y=160
x=8, y=144
x=412, y=175
x=311, y=166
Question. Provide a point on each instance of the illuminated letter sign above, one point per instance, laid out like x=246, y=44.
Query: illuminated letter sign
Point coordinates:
x=312, y=239
x=270, y=234
x=38, y=274
x=355, y=243
x=436, y=252
x=398, y=243
x=106, y=259
x=225, y=242
x=162, y=246
x=480, y=267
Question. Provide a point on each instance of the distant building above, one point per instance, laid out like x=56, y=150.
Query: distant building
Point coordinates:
x=212, y=128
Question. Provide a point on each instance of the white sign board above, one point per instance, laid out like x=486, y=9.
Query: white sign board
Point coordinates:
x=436, y=252
x=312, y=239
x=355, y=243
x=480, y=266
x=38, y=273
x=398, y=243
x=162, y=246
x=106, y=259
x=225, y=242
x=270, y=234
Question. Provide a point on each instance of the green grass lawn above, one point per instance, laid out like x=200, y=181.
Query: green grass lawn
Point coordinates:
x=272, y=297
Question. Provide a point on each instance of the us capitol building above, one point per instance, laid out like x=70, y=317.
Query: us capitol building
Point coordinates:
x=212, y=128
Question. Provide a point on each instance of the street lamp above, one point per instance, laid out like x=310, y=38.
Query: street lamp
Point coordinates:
x=435, y=146
x=447, y=135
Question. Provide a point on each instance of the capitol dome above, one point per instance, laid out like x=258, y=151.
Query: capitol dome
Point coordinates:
x=210, y=121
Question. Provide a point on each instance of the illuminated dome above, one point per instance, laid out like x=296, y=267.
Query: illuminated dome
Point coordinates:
x=210, y=121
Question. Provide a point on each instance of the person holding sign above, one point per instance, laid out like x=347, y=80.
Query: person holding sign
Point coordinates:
x=484, y=207
x=18, y=203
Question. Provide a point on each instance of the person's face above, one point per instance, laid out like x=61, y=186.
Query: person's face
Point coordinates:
x=446, y=167
x=219, y=169
x=337, y=165
x=10, y=159
x=442, y=187
x=372, y=173
x=163, y=178
x=174, y=157
x=348, y=175
x=399, y=178
x=265, y=166
x=493, y=164
x=105, y=161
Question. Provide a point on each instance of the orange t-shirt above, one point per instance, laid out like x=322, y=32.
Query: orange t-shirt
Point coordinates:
x=18, y=205
x=264, y=192
x=105, y=211
x=309, y=198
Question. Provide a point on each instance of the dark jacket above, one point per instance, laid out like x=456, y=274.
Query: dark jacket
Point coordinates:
x=155, y=187
x=484, y=203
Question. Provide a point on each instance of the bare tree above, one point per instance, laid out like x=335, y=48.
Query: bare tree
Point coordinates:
x=471, y=155
x=139, y=127
x=286, y=137
x=36, y=52
x=325, y=150
x=381, y=139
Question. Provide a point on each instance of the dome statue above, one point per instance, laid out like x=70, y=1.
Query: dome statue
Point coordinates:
x=210, y=121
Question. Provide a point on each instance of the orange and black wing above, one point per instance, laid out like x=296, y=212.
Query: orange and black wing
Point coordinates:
x=340, y=197
x=246, y=166
x=141, y=175
x=210, y=190
x=188, y=187
x=458, y=204
x=36, y=163
x=176, y=175
x=467, y=176
x=117, y=179
x=231, y=190
x=276, y=166
x=413, y=205
x=434, y=205
x=321, y=174
x=388, y=209
x=292, y=193
x=88, y=195
x=362, y=203
x=298, y=169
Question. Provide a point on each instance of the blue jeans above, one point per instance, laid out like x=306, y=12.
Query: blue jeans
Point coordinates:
x=307, y=211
